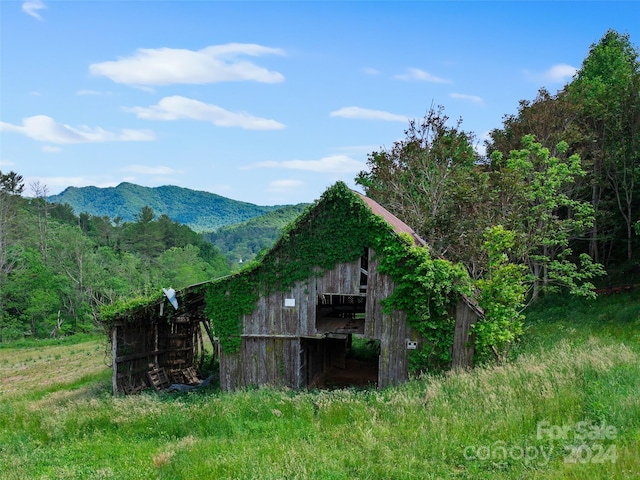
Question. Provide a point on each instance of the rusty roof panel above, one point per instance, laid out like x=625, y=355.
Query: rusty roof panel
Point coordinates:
x=398, y=225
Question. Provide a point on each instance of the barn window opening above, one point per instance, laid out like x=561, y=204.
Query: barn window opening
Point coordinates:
x=339, y=361
x=340, y=314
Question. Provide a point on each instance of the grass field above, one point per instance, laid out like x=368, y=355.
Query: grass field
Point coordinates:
x=566, y=406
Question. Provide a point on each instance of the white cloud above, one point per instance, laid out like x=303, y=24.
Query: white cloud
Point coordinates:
x=6, y=163
x=284, y=186
x=169, y=66
x=368, y=114
x=51, y=149
x=331, y=164
x=45, y=129
x=31, y=7
x=371, y=71
x=146, y=170
x=177, y=107
x=560, y=73
x=471, y=98
x=421, y=76
x=94, y=92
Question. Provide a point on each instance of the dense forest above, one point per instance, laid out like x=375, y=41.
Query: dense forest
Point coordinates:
x=553, y=205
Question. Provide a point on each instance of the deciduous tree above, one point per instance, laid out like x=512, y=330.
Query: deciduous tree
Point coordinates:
x=430, y=180
x=606, y=93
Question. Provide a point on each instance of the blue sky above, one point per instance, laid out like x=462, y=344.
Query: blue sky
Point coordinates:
x=267, y=102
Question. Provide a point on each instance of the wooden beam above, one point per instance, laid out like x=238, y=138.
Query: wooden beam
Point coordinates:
x=114, y=354
x=135, y=356
x=266, y=335
x=207, y=328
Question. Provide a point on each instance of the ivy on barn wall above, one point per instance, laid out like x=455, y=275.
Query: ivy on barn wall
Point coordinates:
x=336, y=229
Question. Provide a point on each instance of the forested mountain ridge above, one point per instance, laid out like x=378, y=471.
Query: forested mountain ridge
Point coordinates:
x=199, y=210
x=242, y=242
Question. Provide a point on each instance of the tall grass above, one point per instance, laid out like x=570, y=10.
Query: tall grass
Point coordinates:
x=578, y=363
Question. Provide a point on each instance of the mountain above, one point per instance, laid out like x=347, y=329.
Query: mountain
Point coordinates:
x=201, y=211
x=243, y=241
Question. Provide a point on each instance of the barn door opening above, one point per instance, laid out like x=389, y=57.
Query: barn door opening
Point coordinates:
x=339, y=361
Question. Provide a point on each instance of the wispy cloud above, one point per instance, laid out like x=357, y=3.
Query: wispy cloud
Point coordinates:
x=415, y=74
x=470, y=98
x=177, y=108
x=371, y=71
x=31, y=7
x=285, y=186
x=147, y=170
x=94, y=92
x=367, y=114
x=45, y=129
x=169, y=66
x=560, y=73
x=51, y=149
x=331, y=164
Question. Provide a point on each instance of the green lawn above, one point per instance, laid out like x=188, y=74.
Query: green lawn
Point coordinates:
x=567, y=405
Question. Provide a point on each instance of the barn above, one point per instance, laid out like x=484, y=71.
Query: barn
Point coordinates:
x=327, y=306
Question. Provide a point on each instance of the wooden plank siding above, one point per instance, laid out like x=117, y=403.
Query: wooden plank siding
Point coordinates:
x=270, y=349
x=462, y=350
x=262, y=361
x=391, y=329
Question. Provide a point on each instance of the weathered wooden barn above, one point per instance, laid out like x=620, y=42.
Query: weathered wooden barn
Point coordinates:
x=293, y=317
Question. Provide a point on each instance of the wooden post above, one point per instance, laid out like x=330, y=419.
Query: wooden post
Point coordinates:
x=462, y=351
x=114, y=354
x=155, y=344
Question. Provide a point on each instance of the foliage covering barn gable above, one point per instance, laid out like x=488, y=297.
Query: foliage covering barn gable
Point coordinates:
x=333, y=230
x=336, y=229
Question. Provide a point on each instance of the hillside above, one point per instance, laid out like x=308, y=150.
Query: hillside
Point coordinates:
x=201, y=211
x=242, y=242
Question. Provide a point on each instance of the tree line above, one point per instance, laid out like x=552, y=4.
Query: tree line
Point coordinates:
x=562, y=175
x=554, y=204
x=57, y=269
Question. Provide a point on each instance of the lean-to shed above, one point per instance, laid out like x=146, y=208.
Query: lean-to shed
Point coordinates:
x=295, y=317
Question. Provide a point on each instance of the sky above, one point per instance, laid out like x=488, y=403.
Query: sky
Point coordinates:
x=267, y=102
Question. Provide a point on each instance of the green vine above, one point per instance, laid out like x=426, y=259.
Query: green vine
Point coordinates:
x=426, y=290
x=337, y=229
x=121, y=308
x=226, y=301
